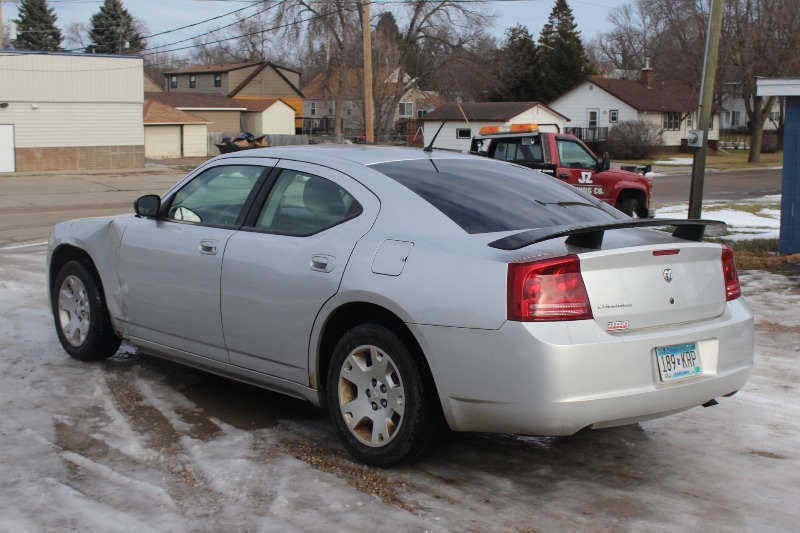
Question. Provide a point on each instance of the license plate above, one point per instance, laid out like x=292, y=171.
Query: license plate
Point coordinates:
x=678, y=361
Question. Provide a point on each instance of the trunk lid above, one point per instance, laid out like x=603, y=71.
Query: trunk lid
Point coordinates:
x=654, y=286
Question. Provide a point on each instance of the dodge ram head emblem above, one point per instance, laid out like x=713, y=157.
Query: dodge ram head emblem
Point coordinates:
x=667, y=275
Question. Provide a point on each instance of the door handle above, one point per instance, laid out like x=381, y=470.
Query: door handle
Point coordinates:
x=322, y=263
x=209, y=247
x=563, y=176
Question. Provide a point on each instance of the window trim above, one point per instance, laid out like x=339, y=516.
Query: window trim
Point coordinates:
x=671, y=121
x=173, y=82
x=463, y=133
x=406, y=106
x=331, y=107
x=613, y=116
x=313, y=108
x=217, y=79
x=192, y=81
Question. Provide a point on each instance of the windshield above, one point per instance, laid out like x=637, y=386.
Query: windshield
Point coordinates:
x=484, y=196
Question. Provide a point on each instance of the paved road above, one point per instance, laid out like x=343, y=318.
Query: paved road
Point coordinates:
x=30, y=203
x=674, y=187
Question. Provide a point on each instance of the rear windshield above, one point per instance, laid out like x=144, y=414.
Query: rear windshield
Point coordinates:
x=483, y=196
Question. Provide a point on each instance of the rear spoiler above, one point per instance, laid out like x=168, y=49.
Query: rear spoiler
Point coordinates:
x=591, y=236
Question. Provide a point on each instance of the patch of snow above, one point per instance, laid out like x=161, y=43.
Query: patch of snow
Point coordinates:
x=676, y=161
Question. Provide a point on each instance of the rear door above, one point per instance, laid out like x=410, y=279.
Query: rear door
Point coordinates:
x=280, y=270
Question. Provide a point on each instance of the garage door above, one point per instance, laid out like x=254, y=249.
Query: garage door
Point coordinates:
x=162, y=141
x=7, y=160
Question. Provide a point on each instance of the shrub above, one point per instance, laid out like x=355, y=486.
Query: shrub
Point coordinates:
x=634, y=139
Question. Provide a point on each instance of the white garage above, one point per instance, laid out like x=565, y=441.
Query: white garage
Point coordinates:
x=172, y=133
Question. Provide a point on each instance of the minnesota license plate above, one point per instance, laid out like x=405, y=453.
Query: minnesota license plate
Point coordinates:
x=678, y=361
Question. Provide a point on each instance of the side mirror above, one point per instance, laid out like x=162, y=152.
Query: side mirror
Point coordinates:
x=147, y=206
x=605, y=163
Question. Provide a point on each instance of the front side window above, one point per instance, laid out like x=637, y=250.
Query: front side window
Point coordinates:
x=406, y=109
x=613, y=116
x=574, y=155
x=192, y=81
x=173, y=82
x=672, y=121
x=421, y=113
x=302, y=204
x=215, y=197
x=331, y=108
x=313, y=108
x=463, y=133
x=217, y=80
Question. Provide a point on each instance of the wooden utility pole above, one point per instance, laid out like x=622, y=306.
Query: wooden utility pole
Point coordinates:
x=706, y=101
x=2, y=36
x=369, y=107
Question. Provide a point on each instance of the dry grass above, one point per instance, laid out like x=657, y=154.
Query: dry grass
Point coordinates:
x=721, y=160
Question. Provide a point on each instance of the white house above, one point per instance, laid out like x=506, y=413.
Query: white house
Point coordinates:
x=597, y=104
x=465, y=120
x=735, y=115
x=63, y=111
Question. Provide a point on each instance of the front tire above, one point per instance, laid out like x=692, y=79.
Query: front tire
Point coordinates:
x=630, y=206
x=82, y=321
x=381, y=401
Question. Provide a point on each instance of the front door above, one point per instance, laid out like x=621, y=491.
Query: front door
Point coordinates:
x=170, y=266
x=578, y=167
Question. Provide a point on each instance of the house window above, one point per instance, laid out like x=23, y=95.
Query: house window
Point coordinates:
x=690, y=120
x=173, y=82
x=613, y=116
x=672, y=121
x=593, y=118
x=331, y=108
x=406, y=109
x=217, y=80
x=711, y=124
x=463, y=133
x=736, y=116
x=313, y=108
x=192, y=81
x=349, y=107
x=421, y=113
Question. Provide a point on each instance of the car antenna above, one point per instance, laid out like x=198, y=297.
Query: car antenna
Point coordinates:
x=429, y=148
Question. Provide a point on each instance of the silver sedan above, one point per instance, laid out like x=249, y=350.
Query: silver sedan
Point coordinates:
x=409, y=292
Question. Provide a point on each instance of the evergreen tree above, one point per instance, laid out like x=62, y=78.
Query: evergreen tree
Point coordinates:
x=519, y=73
x=36, y=27
x=563, y=58
x=114, y=31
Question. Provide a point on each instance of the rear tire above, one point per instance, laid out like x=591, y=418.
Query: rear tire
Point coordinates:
x=381, y=401
x=80, y=314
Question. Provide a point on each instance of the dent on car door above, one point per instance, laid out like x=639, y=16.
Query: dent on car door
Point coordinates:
x=278, y=273
x=170, y=265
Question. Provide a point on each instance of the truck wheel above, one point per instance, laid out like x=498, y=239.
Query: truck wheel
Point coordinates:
x=630, y=206
x=379, y=400
x=82, y=321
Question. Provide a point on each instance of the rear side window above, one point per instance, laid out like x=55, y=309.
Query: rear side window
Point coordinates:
x=483, y=196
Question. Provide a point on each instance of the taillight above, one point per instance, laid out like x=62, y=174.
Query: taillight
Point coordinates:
x=550, y=289
x=732, y=288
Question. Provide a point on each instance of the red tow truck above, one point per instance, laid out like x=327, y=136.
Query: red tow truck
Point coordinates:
x=565, y=157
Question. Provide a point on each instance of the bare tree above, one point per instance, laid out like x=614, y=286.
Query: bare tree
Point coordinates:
x=422, y=25
x=760, y=39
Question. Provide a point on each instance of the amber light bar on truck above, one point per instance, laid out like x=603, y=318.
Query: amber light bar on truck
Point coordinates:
x=509, y=128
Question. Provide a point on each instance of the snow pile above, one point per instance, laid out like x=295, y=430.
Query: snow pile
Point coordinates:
x=743, y=221
x=676, y=161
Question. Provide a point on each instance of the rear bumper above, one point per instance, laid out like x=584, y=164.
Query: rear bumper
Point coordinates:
x=558, y=378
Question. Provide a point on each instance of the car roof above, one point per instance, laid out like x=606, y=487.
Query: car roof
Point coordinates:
x=359, y=154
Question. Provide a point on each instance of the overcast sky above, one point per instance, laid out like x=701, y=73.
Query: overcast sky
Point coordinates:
x=163, y=15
